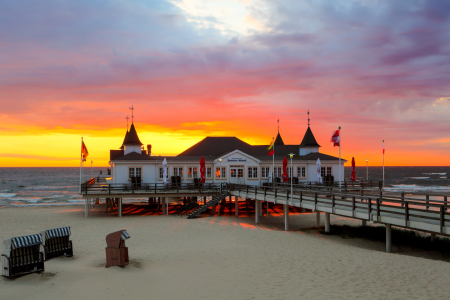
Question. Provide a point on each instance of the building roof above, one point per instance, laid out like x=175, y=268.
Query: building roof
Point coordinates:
x=279, y=140
x=123, y=143
x=134, y=156
x=216, y=146
x=113, y=154
x=309, y=140
x=132, y=138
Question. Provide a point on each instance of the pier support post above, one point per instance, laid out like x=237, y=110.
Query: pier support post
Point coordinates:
x=317, y=219
x=120, y=207
x=260, y=208
x=163, y=205
x=364, y=223
x=388, y=238
x=286, y=217
x=213, y=210
x=327, y=222
x=236, y=206
x=257, y=210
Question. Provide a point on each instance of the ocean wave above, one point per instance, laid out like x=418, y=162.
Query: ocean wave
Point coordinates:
x=419, y=177
x=76, y=200
x=6, y=195
x=443, y=177
x=434, y=173
x=46, y=204
x=413, y=187
x=30, y=199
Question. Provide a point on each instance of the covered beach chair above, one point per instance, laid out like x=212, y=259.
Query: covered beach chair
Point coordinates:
x=116, y=252
x=56, y=242
x=22, y=255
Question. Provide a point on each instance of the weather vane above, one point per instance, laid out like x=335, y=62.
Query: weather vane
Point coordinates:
x=308, y=117
x=132, y=115
x=127, y=121
x=278, y=125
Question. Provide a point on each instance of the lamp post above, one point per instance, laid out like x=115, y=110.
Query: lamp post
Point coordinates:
x=367, y=172
x=292, y=171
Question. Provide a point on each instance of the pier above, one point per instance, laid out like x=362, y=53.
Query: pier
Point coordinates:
x=426, y=215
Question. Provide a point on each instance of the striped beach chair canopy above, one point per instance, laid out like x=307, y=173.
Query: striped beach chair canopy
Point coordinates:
x=26, y=241
x=125, y=235
x=57, y=232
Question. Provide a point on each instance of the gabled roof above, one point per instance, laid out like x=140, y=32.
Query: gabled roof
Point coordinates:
x=113, y=154
x=309, y=140
x=215, y=146
x=279, y=140
x=134, y=156
x=123, y=143
x=132, y=138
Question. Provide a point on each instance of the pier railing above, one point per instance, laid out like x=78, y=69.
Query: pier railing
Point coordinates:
x=372, y=206
x=89, y=187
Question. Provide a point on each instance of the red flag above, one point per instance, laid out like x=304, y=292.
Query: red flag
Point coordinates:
x=383, y=147
x=202, y=170
x=335, y=138
x=84, y=151
x=353, y=176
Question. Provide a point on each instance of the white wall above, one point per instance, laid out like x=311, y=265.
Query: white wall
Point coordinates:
x=121, y=171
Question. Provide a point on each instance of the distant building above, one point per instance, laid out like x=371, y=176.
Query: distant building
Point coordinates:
x=228, y=159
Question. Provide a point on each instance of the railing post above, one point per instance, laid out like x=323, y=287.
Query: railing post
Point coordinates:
x=109, y=189
x=301, y=197
x=442, y=219
x=256, y=191
x=378, y=209
x=247, y=188
x=403, y=198
x=315, y=200
x=155, y=188
x=428, y=202
x=369, y=203
x=276, y=191
x=406, y=213
x=445, y=202
x=353, y=206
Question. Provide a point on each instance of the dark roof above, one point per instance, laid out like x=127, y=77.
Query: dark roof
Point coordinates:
x=309, y=140
x=123, y=143
x=216, y=146
x=132, y=138
x=279, y=140
x=316, y=155
x=134, y=156
x=113, y=154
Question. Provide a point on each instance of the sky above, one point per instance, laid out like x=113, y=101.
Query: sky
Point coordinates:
x=380, y=69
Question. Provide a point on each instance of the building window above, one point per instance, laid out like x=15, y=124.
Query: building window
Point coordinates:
x=192, y=173
x=265, y=172
x=222, y=174
x=325, y=171
x=161, y=173
x=178, y=171
x=208, y=172
x=134, y=172
x=289, y=171
x=277, y=172
x=252, y=172
x=301, y=172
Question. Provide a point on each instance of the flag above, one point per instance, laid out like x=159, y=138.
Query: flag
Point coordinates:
x=270, y=150
x=383, y=147
x=84, y=151
x=335, y=138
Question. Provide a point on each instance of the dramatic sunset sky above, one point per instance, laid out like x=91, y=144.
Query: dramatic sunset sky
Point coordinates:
x=380, y=69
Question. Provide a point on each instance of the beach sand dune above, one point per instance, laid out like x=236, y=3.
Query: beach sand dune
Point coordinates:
x=217, y=258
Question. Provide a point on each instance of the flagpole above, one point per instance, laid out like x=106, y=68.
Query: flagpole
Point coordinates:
x=81, y=160
x=340, y=159
x=383, y=166
x=273, y=161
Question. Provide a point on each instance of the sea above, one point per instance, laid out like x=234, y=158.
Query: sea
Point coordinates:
x=23, y=187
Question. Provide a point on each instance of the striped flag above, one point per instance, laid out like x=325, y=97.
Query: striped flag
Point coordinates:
x=335, y=138
x=84, y=151
x=270, y=150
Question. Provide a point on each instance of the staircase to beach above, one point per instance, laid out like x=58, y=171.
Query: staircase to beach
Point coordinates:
x=214, y=200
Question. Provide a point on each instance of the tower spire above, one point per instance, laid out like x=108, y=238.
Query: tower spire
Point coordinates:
x=278, y=125
x=127, y=121
x=132, y=114
x=308, y=117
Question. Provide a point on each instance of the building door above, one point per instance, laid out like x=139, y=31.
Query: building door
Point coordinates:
x=237, y=174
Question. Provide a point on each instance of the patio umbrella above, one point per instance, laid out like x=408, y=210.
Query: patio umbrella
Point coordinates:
x=164, y=171
x=202, y=170
x=270, y=176
x=285, y=175
x=353, y=176
x=319, y=175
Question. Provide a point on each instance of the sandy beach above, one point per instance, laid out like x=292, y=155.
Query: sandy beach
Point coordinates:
x=220, y=257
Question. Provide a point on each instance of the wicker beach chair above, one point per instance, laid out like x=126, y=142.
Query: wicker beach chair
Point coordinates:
x=57, y=242
x=116, y=252
x=22, y=255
